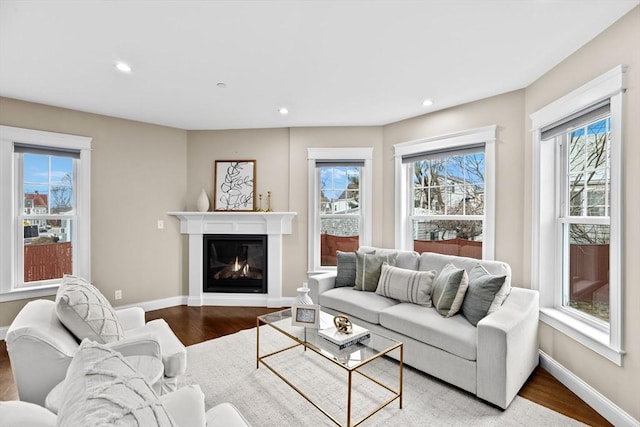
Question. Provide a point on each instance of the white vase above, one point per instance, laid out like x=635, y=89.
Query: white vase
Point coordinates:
x=303, y=298
x=203, y=202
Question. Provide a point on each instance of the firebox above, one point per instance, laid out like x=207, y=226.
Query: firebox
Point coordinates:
x=235, y=263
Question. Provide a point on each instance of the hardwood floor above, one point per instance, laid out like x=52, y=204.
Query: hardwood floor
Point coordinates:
x=196, y=324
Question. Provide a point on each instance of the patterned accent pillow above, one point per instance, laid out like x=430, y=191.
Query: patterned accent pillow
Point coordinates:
x=482, y=291
x=102, y=389
x=368, y=268
x=449, y=289
x=83, y=309
x=406, y=285
x=346, y=269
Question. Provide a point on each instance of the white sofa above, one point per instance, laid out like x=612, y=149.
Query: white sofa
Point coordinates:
x=491, y=360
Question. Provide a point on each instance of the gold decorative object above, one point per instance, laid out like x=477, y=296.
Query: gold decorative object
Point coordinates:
x=259, y=204
x=343, y=324
x=269, y=202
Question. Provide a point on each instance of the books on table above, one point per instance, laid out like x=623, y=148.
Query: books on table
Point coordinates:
x=344, y=340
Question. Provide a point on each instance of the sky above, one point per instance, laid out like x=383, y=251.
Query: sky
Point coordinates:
x=38, y=174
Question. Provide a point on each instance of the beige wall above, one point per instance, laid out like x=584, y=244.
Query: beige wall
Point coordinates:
x=620, y=44
x=506, y=111
x=138, y=174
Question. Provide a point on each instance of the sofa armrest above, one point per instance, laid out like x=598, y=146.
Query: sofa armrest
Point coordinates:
x=141, y=345
x=508, y=347
x=131, y=318
x=321, y=283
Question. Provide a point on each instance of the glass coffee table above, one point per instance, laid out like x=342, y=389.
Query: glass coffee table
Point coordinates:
x=351, y=359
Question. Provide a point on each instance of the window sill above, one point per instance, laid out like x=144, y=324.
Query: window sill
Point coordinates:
x=34, y=292
x=587, y=335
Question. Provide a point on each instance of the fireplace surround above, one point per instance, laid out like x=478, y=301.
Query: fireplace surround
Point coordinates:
x=274, y=225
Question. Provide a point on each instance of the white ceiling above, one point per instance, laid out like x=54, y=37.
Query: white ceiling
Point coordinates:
x=331, y=62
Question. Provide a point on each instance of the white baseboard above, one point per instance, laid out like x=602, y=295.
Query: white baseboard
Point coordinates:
x=609, y=410
x=157, y=304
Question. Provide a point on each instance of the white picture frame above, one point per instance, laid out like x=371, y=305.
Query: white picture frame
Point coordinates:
x=307, y=315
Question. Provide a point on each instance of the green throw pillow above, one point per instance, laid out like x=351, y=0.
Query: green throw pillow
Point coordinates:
x=449, y=289
x=483, y=288
x=406, y=285
x=368, y=267
x=346, y=269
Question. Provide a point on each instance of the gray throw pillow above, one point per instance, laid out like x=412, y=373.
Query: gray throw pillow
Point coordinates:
x=483, y=288
x=368, y=268
x=346, y=269
x=449, y=288
x=406, y=285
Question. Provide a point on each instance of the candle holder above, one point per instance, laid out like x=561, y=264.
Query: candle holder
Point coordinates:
x=259, y=209
x=269, y=202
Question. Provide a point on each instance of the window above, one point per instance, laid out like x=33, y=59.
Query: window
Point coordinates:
x=577, y=204
x=44, y=188
x=339, y=203
x=444, y=187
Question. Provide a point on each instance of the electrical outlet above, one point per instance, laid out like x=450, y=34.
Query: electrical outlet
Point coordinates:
x=160, y=224
x=118, y=294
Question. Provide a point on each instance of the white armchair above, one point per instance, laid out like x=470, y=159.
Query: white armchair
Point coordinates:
x=40, y=347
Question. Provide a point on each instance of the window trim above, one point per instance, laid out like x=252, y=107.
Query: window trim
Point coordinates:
x=338, y=154
x=609, y=343
x=8, y=257
x=458, y=140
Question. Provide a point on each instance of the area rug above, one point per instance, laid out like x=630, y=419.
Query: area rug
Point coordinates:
x=225, y=368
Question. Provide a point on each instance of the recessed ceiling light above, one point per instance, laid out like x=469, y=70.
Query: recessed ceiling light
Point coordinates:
x=123, y=67
x=427, y=102
x=283, y=111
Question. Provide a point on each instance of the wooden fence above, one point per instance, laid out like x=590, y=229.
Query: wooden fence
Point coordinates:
x=47, y=261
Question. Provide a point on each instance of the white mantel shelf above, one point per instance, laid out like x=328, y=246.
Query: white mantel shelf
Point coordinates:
x=272, y=224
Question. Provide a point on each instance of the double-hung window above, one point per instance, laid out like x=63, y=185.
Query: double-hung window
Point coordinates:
x=444, y=190
x=577, y=213
x=339, y=203
x=44, y=188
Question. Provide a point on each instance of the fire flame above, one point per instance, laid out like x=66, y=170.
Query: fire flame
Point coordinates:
x=244, y=268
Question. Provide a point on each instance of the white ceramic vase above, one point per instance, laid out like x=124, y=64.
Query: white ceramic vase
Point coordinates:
x=303, y=297
x=203, y=202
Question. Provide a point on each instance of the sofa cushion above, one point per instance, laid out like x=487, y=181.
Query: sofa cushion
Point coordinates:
x=101, y=388
x=368, y=267
x=452, y=334
x=364, y=305
x=14, y=413
x=483, y=288
x=225, y=415
x=345, y=268
x=83, y=309
x=186, y=406
x=406, y=285
x=449, y=288
x=174, y=353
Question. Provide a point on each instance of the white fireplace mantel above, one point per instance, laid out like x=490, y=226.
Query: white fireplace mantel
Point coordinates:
x=272, y=224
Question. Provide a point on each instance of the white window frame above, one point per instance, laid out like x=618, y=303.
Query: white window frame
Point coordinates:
x=546, y=274
x=315, y=155
x=454, y=141
x=12, y=231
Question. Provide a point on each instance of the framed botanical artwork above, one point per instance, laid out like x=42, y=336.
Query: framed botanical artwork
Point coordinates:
x=234, y=184
x=307, y=315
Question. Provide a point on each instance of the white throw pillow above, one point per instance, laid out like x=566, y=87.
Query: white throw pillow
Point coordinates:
x=406, y=285
x=83, y=309
x=102, y=389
